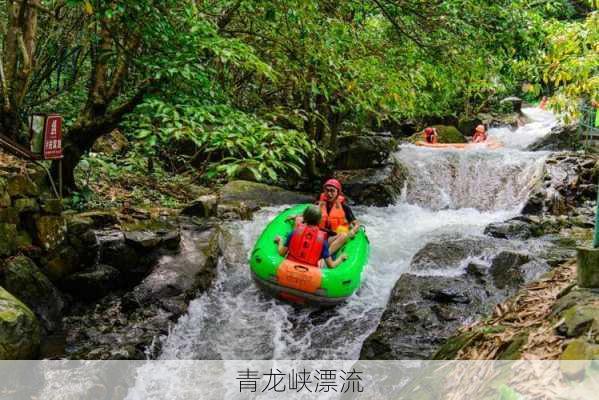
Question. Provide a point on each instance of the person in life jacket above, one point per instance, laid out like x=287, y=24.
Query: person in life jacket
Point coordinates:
x=337, y=218
x=430, y=135
x=480, y=134
x=308, y=244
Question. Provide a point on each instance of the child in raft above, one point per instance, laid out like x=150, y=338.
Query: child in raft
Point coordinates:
x=307, y=243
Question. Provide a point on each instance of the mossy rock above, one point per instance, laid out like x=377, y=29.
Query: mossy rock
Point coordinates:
x=19, y=329
x=52, y=206
x=449, y=134
x=51, y=231
x=23, y=278
x=453, y=345
x=26, y=205
x=4, y=198
x=23, y=239
x=513, y=351
x=573, y=361
x=21, y=186
x=8, y=243
x=581, y=320
x=63, y=263
x=446, y=134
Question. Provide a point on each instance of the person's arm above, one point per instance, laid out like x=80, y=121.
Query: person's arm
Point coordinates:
x=334, y=263
x=281, y=248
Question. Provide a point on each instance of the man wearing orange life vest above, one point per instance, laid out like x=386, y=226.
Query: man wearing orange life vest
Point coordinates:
x=337, y=218
x=308, y=244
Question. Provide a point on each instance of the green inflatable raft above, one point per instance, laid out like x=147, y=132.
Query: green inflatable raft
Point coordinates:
x=298, y=283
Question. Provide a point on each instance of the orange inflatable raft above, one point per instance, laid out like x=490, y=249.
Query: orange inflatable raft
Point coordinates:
x=489, y=144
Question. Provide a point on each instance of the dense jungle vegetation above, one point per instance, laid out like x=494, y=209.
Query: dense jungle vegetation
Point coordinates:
x=206, y=90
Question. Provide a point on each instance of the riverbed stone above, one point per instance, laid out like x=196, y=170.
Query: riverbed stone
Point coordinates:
x=93, y=283
x=512, y=229
x=19, y=329
x=203, y=207
x=447, y=252
x=256, y=195
x=505, y=269
x=22, y=278
x=561, y=137
x=579, y=320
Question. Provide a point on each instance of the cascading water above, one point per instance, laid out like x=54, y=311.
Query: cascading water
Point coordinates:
x=450, y=191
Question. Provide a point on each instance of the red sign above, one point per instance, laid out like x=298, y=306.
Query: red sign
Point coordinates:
x=53, y=138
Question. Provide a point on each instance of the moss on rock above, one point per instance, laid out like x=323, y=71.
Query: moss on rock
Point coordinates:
x=8, y=243
x=19, y=329
x=21, y=186
x=51, y=231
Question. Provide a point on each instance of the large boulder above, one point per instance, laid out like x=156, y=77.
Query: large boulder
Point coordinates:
x=570, y=180
x=445, y=253
x=374, y=186
x=19, y=329
x=177, y=278
x=446, y=134
x=363, y=151
x=561, y=137
x=511, y=229
x=423, y=311
x=257, y=195
x=20, y=185
x=22, y=278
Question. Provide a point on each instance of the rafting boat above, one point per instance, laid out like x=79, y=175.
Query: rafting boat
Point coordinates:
x=301, y=283
x=489, y=144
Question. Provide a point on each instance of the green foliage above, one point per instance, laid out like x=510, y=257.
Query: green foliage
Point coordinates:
x=225, y=141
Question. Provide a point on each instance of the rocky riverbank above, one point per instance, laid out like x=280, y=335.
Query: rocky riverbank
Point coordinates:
x=426, y=308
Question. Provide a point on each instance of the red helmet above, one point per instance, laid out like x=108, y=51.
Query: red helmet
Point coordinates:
x=334, y=183
x=428, y=131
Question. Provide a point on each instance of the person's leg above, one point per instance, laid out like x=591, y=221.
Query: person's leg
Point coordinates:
x=337, y=242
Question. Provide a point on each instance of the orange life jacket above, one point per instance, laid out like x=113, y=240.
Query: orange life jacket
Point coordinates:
x=335, y=219
x=306, y=244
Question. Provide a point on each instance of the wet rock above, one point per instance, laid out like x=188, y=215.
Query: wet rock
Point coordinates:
x=581, y=319
x=142, y=239
x=22, y=278
x=374, y=187
x=114, y=251
x=256, y=195
x=65, y=261
x=8, y=244
x=511, y=229
x=101, y=219
x=94, y=283
x=423, y=311
x=230, y=210
x=363, y=151
x=180, y=275
x=19, y=329
x=445, y=253
x=203, y=207
x=506, y=269
x=568, y=183
x=561, y=137
x=445, y=134
x=50, y=231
